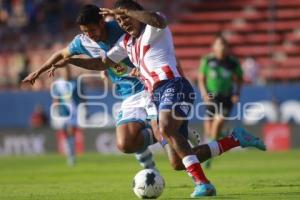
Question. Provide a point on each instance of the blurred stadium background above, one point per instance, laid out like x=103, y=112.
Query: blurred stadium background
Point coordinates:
x=264, y=34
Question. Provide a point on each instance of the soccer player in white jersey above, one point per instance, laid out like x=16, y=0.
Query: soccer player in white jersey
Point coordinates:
x=149, y=45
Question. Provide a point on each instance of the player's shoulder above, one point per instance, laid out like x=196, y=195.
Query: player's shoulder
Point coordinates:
x=79, y=36
x=82, y=38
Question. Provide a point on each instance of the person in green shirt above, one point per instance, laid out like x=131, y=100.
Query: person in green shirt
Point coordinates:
x=220, y=81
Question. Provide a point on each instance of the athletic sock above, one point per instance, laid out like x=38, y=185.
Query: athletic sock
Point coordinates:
x=222, y=145
x=145, y=159
x=194, y=168
x=71, y=149
x=148, y=139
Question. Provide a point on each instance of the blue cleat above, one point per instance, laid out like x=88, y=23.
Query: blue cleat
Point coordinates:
x=203, y=190
x=246, y=139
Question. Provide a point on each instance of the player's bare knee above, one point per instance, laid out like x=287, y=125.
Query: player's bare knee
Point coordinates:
x=125, y=147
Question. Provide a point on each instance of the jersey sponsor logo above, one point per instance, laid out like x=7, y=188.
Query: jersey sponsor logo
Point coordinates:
x=170, y=90
x=168, y=95
x=120, y=70
x=166, y=100
x=185, y=109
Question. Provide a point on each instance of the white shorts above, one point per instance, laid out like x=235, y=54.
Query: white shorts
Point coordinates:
x=137, y=108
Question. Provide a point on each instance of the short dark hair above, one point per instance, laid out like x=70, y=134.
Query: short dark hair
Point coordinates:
x=128, y=4
x=89, y=14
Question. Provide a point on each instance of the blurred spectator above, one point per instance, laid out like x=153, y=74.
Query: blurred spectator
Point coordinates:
x=250, y=68
x=38, y=118
x=24, y=71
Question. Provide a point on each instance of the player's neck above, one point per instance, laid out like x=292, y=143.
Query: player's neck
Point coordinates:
x=220, y=57
x=140, y=33
x=104, y=36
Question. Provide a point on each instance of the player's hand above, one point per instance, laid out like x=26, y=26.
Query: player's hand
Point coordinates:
x=54, y=68
x=31, y=78
x=60, y=64
x=51, y=71
x=107, y=11
x=235, y=98
x=135, y=72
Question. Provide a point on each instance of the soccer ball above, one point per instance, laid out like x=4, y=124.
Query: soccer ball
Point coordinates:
x=148, y=184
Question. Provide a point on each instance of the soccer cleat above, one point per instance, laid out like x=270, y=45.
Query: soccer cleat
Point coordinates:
x=246, y=139
x=194, y=137
x=204, y=189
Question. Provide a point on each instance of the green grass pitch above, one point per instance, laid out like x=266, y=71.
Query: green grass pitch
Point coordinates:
x=236, y=175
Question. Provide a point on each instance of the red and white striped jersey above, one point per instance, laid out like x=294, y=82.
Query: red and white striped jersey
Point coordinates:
x=153, y=53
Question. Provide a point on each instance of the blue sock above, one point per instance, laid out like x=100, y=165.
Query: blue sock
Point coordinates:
x=145, y=159
x=148, y=138
x=144, y=155
x=71, y=149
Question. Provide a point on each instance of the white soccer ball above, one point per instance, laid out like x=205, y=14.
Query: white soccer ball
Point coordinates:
x=148, y=184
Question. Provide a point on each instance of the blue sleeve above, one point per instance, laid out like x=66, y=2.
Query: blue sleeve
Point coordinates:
x=75, y=47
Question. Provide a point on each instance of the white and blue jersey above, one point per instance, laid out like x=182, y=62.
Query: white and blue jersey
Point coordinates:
x=125, y=85
x=68, y=100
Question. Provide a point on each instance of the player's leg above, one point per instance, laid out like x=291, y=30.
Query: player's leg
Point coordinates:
x=130, y=137
x=216, y=127
x=239, y=137
x=207, y=129
x=215, y=130
x=175, y=98
x=133, y=134
x=208, y=136
x=134, y=137
x=169, y=127
x=70, y=132
x=211, y=149
x=174, y=159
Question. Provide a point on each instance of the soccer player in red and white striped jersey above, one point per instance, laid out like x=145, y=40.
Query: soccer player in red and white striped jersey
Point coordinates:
x=149, y=45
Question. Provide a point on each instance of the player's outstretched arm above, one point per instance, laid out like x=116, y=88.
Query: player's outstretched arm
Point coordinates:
x=146, y=17
x=56, y=57
x=98, y=64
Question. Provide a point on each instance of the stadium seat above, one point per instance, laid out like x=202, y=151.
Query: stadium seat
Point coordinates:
x=193, y=40
x=191, y=52
x=194, y=29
